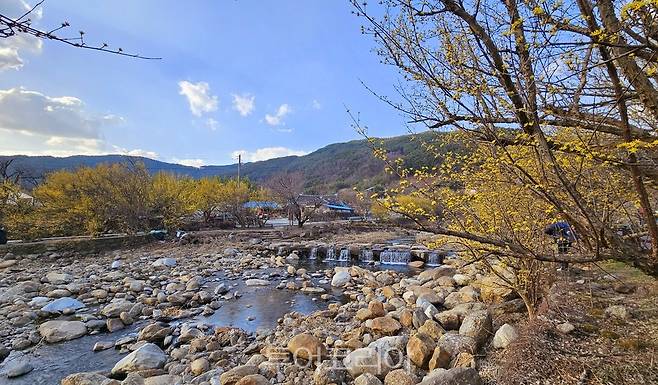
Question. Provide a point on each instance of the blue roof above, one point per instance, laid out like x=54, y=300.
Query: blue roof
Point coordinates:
x=339, y=207
x=261, y=204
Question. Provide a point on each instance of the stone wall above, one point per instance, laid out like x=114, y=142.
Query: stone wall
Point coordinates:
x=72, y=246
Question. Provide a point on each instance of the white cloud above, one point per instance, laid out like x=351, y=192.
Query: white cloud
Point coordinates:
x=266, y=153
x=135, y=152
x=35, y=113
x=244, y=104
x=190, y=162
x=32, y=123
x=316, y=105
x=277, y=119
x=199, y=97
x=212, y=124
x=11, y=47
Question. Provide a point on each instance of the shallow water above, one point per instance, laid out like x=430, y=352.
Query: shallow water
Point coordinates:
x=265, y=304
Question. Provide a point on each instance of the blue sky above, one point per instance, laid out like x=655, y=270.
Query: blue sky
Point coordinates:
x=264, y=78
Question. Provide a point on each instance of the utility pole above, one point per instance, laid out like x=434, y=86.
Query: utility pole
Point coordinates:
x=239, y=166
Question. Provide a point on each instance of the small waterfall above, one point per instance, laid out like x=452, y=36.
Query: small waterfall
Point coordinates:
x=366, y=255
x=434, y=259
x=313, y=254
x=344, y=255
x=395, y=257
x=331, y=254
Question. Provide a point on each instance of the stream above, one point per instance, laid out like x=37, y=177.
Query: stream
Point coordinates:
x=265, y=304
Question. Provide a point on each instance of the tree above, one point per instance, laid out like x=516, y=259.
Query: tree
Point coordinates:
x=556, y=90
x=288, y=189
x=171, y=198
x=94, y=200
x=207, y=196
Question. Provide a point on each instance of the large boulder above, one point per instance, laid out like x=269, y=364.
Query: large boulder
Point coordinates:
x=370, y=360
x=85, y=378
x=57, y=331
x=234, y=375
x=455, y=376
x=341, y=278
x=147, y=356
x=478, y=326
x=493, y=290
x=61, y=304
x=466, y=294
x=164, y=262
x=154, y=332
x=253, y=379
x=367, y=379
x=419, y=349
x=56, y=278
x=307, y=346
x=400, y=377
x=384, y=325
x=115, y=308
x=504, y=336
x=329, y=372
x=456, y=343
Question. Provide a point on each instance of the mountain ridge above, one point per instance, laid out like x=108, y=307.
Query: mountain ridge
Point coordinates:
x=328, y=169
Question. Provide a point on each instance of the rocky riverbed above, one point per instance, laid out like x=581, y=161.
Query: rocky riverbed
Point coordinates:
x=233, y=313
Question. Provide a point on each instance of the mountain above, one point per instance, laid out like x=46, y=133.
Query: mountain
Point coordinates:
x=327, y=170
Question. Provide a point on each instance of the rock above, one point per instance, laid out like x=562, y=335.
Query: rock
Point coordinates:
x=385, y=325
x=102, y=345
x=371, y=360
x=440, y=359
x=432, y=329
x=114, y=324
x=504, y=336
x=390, y=344
x=341, y=278
x=230, y=252
x=367, y=379
x=617, y=311
x=164, y=262
x=456, y=376
x=85, y=378
x=253, y=379
x=400, y=377
x=4, y=353
x=420, y=349
x=464, y=360
x=565, y=328
x=465, y=295
x=236, y=374
x=59, y=278
x=18, y=369
x=416, y=264
x=116, y=264
x=461, y=279
x=257, y=282
x=493, y=290
x=126, y=318
x=7, y=263
x=61, y=304
x=376, y=308
x=329, y=372
x=478, y=326
x=456, y=343
x=199, y=366
x=115, y=308
x=155, y=332
x=221, y=289
x=57, y=331
x=148, y=356
x=307, y=346
x=165, y=379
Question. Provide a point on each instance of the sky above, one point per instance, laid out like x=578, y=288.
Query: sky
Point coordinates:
x=260, y=78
